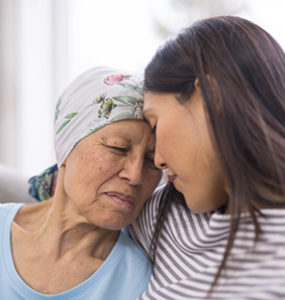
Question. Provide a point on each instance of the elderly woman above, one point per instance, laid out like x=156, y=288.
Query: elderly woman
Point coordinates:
x=106, y=173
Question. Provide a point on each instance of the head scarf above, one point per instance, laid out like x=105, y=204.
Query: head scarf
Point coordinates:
x=96, y=98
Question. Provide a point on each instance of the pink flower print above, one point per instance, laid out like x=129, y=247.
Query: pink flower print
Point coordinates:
x=115, y=79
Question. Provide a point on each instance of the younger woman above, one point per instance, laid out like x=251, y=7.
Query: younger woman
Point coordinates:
x=215, y=97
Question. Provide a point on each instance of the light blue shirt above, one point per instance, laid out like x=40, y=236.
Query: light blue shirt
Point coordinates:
x=124, y=275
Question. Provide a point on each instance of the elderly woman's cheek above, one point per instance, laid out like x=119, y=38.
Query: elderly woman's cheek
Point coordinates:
x=153, y=178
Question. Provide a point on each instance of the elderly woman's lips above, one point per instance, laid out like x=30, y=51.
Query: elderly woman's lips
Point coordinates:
x=121, y=199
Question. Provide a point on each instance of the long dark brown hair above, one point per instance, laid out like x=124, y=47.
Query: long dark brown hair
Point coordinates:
x=241, y=72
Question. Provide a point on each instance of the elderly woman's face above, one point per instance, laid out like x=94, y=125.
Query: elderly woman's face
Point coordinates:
x=110, y=174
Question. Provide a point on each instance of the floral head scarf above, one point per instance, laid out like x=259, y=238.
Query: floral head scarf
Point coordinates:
x=96, y=98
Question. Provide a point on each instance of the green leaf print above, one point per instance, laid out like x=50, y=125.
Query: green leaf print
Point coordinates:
x=63, y=125
x=128, y=86
x=126, y=99
x=57, y=110
x=139, y=90
x=132, y=87
x=122, y=116
x=70, y=116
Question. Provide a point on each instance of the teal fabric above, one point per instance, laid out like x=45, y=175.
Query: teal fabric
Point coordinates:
x=123, y=276
x=42, y=187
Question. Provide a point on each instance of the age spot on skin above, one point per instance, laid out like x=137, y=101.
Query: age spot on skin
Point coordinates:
x=106, y=172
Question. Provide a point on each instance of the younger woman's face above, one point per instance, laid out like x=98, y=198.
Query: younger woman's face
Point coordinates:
x=184, y=146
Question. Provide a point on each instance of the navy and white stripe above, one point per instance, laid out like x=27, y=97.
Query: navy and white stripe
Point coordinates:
x=191, y=249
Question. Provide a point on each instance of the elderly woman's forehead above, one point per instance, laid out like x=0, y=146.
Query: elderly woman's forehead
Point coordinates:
x=132, y=131
x=124, y=127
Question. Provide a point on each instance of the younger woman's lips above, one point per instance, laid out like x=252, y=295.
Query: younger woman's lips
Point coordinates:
x=121, y=199
x=173, y=179
x=174, y=182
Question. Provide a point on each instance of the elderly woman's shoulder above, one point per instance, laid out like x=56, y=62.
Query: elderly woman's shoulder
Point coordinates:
x=7, y=207
x=133, y=256
x=129, y=245
x=8, y=211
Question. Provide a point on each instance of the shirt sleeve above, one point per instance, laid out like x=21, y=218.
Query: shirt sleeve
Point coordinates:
x=141, y=229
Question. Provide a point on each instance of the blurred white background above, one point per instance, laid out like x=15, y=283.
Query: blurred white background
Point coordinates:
x=44, y=44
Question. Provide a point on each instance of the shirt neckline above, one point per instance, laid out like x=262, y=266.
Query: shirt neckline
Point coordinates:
x=22, y=288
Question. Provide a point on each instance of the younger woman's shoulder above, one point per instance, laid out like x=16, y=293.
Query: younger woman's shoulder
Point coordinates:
x=152, y=203
x=150, y=210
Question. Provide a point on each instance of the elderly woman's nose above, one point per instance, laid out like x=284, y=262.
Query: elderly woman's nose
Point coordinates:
x=133, y=171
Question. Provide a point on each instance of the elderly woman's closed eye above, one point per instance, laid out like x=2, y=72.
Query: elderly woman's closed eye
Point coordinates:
x=72, y=245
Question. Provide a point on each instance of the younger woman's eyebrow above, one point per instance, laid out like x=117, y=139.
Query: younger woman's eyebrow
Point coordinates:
x=145, y=119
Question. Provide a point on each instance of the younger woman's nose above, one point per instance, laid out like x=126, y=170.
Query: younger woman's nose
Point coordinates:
x=158, y=160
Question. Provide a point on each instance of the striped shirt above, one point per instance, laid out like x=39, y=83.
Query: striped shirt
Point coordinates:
x=191, y=248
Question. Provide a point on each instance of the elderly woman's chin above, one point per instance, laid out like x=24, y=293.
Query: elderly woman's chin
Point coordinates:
x=110, y=174
x=112, y=219
x=111, y=211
